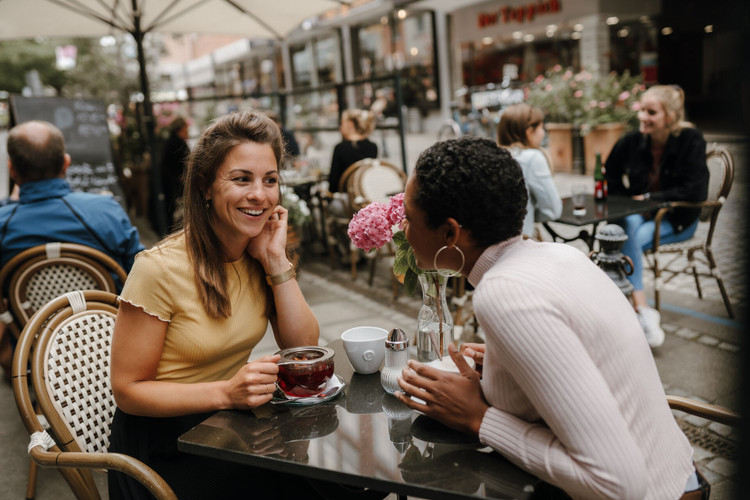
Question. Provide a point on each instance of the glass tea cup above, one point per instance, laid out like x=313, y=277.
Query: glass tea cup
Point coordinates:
x=305, y=371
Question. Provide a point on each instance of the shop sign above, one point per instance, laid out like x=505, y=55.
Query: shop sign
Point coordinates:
x=519, y=14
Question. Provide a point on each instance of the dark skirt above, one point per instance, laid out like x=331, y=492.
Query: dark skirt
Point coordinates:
x=153, y=441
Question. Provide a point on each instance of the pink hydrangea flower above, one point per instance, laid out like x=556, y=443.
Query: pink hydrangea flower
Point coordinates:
x=636, y=106
x=395, y=210
x=370, y=228
x=602, y=104
x=578, y=94
x=624, y=96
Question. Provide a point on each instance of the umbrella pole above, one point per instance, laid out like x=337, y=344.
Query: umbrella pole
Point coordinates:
x=157, y=194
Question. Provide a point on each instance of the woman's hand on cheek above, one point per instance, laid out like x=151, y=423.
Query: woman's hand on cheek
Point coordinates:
x=270, y=243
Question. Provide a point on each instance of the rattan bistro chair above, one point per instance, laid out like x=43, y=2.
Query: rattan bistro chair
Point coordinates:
x=697, y=249
x=39, y=274
x=67, y=342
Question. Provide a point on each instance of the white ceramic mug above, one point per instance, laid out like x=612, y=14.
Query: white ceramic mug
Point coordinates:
x=365, y=348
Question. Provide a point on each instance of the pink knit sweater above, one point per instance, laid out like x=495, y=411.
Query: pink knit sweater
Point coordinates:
x=574, y=392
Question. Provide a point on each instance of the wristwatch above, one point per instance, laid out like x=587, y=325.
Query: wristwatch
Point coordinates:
x=646, y=196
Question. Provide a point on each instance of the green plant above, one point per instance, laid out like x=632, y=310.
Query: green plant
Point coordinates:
x=558, y=93
x=585, y=99
x=611, y=99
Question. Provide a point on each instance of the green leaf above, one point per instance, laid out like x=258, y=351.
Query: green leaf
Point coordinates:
x=410, y=282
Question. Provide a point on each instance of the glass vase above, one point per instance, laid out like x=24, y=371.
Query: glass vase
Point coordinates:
x=435, y=322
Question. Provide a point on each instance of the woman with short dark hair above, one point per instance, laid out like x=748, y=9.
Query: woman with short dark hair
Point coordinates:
x=569, y=390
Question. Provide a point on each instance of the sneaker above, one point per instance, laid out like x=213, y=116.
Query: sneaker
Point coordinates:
x=651, y=323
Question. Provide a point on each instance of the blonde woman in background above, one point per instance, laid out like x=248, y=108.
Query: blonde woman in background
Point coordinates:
x=664, y=160
x=521, y=131
x=356, y=126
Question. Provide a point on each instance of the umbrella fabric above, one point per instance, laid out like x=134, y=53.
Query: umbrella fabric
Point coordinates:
x=249, y=18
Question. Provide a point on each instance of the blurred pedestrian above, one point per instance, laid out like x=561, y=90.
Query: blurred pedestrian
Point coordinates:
x=173, y=161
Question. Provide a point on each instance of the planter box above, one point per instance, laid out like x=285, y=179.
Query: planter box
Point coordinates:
x=560, y=145
x=601, y=139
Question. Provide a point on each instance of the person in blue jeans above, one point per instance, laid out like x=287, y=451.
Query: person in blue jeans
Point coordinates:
x=664, y=160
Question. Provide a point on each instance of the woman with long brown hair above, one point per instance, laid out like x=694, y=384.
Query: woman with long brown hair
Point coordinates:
x=196, y=304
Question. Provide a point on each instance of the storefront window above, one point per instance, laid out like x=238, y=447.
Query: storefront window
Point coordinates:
x=634, y=47
x=402, y=42
x=316, y=62
x=482, y=62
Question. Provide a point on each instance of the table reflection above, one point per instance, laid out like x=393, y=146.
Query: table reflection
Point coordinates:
x=363, y=437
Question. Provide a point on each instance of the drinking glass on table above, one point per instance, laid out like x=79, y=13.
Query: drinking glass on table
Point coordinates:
x=579, y=199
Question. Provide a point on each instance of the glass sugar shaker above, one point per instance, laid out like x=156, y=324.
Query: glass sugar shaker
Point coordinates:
x=396, y=356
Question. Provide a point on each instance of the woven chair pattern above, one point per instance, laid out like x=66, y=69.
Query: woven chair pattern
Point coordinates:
x=378, y=182
x=717, y=169
x=77, y=372
x=55, y=280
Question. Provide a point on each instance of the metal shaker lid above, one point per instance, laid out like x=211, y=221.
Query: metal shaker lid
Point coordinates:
x=396, y=340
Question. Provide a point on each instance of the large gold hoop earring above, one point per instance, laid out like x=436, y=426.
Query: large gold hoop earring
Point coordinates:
x=442, y=272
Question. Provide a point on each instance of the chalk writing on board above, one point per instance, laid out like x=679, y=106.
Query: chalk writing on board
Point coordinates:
x=83, y=123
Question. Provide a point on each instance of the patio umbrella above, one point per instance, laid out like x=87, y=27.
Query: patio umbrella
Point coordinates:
x=90, y=18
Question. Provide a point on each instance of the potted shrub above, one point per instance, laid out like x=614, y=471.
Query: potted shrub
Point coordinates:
x=558, y=93
x=610, y=107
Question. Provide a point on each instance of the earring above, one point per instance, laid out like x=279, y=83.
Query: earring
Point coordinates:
x=207, y=203
x=443, y=272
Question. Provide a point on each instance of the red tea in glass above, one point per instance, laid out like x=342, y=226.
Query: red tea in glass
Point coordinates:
x=305, y=371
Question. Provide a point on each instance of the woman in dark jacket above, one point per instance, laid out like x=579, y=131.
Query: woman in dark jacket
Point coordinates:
x=664, y=160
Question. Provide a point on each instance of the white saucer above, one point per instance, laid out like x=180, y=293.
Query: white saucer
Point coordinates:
x=332, y=389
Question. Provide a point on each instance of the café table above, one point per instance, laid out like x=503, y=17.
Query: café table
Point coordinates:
x=363, y=437
x=611, y=209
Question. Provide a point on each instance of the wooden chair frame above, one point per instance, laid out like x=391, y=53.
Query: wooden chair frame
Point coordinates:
x=718, y=192
x=67, y=344
x=48, y=264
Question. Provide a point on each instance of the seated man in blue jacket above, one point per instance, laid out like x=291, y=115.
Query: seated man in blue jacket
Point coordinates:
x=48, y=210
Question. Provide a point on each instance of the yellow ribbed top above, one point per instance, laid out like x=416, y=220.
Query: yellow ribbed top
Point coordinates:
x=198, y=348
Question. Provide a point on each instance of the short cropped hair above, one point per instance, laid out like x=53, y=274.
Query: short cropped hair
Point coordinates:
x=475, y=182
x=37, y=151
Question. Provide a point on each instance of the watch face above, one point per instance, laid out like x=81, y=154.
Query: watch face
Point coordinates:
x=626, y=181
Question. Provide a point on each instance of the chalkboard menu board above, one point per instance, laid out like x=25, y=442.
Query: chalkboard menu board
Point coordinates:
x=83, y=123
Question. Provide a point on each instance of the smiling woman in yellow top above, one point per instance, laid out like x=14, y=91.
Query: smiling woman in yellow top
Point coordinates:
x=196, y=304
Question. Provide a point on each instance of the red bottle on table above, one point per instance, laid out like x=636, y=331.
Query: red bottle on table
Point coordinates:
x=600, y=179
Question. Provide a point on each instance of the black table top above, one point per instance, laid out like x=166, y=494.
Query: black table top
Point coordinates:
x=363, y=437
x=610, y=209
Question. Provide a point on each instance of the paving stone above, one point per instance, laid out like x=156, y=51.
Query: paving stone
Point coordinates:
x=710, y=475
x=687, y=333
x=708, y=340
x=721, y=429
x=729, y=347
x=722, y=466
x=669, y=328
x=696, y=421
x=701, y=454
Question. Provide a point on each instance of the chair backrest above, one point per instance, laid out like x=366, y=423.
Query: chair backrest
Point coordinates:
x=70, y=368
x=374, y=180
x=39, y=274
x=67, y=343
x=720, y=177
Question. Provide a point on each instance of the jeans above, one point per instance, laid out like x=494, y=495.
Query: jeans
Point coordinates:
x=641, y=237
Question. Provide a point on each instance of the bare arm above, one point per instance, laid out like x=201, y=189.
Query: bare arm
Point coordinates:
x=136, y=350
x=294, y=323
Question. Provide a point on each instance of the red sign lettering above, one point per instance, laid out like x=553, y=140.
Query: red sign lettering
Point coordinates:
x=521, y=14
